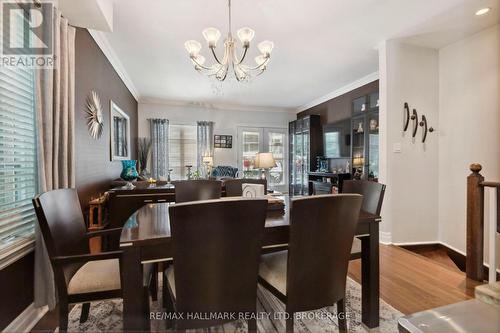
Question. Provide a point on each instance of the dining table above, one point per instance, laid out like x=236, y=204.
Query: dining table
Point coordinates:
x=146, y=238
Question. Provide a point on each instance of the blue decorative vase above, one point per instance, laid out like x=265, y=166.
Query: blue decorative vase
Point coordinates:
x=129, y=171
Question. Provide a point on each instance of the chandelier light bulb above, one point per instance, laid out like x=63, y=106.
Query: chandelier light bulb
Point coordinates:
x=193, y=47
x=266, y=47
x=245, y=35
x=212, y=36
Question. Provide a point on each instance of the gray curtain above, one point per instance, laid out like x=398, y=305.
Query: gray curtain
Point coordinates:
x=205, y=141
x=159, y=147
x=55, y=112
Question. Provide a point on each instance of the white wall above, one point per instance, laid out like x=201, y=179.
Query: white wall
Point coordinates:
x=226, y=122
x=409, y=74
x=469, y=130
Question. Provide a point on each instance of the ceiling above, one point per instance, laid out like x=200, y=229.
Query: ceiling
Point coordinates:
x=320, y=45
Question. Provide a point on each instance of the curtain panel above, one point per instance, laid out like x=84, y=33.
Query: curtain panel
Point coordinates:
x=205, y=141
x=55, y=113
x=159, y=147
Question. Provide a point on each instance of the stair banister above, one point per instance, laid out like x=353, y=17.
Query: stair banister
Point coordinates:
x=475, y=225
x=492, y=274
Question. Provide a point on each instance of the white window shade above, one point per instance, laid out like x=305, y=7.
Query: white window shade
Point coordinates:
x=18, y=174
x=182, y=150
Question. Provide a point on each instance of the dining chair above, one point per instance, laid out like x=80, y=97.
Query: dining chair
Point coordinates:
x=234, y=187
x=195, y=190
x=80, y=277
x=312, y=274
x=373, y=197
x=216, y=249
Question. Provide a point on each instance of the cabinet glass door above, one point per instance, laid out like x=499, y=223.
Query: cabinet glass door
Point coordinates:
x=373, y=147
x=358, y=145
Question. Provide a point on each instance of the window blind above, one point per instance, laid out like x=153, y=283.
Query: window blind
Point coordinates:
x=182, y=150
x=18, y=174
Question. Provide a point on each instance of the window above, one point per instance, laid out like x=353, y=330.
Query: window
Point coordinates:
x=182, y=150
x=253, y=140
x=18, y=174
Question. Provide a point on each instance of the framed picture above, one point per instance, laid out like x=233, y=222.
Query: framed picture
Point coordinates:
x=223, y=141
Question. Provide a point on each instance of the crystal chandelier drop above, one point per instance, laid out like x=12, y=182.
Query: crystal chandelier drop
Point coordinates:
x=230, y=61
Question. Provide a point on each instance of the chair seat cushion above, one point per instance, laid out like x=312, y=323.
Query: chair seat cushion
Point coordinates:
x=272, y=269
x=356, y=246
x=101, y=275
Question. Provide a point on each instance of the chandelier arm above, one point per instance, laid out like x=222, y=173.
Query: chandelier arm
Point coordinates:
x=242, y=57
x=261, y=65
x=215, y=55
x=200, y=65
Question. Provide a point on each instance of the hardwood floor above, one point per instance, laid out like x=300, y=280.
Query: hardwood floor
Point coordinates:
x=408, y=281
x=411, y=282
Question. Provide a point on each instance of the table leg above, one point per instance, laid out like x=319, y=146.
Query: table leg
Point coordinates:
x=135, y=317
x=370, y=278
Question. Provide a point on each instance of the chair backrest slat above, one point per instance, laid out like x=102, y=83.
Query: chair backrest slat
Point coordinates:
x=61, y=222
x=216, y=250
x=321, y=234
x=372, y=192
x=196, y=190
x=234, y=187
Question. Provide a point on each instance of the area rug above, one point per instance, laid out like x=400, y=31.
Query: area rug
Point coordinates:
x=106, y=316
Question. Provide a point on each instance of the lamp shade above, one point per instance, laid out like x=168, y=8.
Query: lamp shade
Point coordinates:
x=208, y=160
x=265, y=161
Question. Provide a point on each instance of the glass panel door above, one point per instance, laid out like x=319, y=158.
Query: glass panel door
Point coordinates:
x=250, y=145
x=275, y=143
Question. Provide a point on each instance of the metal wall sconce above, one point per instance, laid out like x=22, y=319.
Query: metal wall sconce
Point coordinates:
x=416, y=123
x=423, y=124
x=406, y=120
x=414, y=118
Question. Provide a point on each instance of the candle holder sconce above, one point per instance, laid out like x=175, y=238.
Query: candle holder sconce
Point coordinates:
x=426, y=129
x=414, y=118
x=406, y=117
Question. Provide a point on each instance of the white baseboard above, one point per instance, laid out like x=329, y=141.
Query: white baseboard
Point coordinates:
x=27, y=319
x=416, y=243
x=385, y=237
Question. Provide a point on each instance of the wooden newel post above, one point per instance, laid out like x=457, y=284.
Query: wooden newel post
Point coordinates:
x=475, y=224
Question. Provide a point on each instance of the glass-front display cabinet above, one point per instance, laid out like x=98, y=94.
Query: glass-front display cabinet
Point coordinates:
x=365, y=137
x=305, y=144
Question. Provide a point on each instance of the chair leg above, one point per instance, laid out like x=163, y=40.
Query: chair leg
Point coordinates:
x=153, y=286
x=341, y=316
x=63, y=317
x=252, y=325
x=289, y=322
x=85, y=312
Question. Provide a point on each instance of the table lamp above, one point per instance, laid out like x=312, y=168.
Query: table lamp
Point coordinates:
x=264, y=161
x=208, y=161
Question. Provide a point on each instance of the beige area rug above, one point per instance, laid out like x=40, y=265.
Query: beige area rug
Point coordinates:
x=106, y=316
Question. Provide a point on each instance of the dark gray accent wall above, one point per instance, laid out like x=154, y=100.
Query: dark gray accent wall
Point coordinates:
x=94, y=169
x=340, y=107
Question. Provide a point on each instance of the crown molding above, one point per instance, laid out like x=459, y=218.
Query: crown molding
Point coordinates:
x=341, y=91
x=109, y=52
x=214, y=106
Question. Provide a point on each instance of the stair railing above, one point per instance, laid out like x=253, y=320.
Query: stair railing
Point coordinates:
x=475, y=225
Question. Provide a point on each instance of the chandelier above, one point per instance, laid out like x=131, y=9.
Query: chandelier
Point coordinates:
x=230, y=60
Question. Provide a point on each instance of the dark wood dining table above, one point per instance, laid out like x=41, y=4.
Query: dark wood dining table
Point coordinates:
x=145, y=238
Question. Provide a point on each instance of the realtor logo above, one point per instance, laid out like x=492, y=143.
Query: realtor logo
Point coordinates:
x=27, y=34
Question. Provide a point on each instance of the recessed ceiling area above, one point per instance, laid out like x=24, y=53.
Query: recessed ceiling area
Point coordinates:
x=320, y=45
